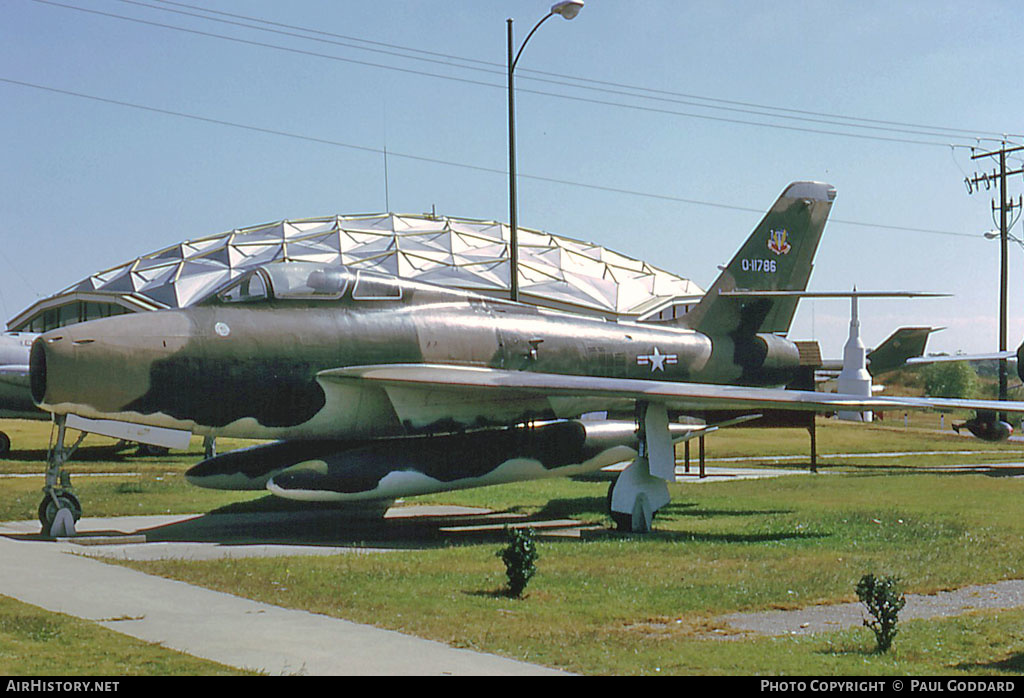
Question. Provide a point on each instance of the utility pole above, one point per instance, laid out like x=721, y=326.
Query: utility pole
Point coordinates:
x=1006, y=208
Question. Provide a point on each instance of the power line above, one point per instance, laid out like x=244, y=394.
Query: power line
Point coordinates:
x=827, y=132
x=1006, y=208
x=438, y=161
x=499, y=70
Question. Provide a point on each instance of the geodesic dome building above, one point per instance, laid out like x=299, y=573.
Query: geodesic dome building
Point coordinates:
x=554, y=271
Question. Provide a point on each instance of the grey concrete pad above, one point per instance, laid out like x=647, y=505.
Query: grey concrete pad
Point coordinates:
x=224, y=628
x=717, y=473
x=720, y=474
x=314, y=532
x=817, y=619
x=147, y=552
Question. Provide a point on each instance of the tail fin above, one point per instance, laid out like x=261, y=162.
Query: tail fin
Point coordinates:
x=905, y=343
x=776, y=257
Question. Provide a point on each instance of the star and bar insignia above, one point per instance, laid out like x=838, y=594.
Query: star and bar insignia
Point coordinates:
x=656, y=360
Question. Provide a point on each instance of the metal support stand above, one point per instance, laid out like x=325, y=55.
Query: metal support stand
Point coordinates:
x=701, y=456
x=812, y=429
x=209, y=447
x=642, y=488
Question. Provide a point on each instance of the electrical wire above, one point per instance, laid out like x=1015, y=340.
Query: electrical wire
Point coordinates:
x=818, y=131
x=438, y=161
x=652, y=91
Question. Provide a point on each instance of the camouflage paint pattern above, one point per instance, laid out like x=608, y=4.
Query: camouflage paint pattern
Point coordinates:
x=252, y=361
x=350, y=471
x=250, y=369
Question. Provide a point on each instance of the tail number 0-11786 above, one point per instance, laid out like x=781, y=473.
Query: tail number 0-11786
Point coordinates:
x=766, y=265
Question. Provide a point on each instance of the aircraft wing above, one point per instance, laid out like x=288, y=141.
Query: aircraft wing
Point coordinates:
x=425, y=394
x=963, y=357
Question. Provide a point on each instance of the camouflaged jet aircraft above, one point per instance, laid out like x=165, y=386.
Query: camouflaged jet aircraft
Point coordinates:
x=380, y=387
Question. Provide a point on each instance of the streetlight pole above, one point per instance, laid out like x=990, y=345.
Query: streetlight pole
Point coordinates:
x=567, y=9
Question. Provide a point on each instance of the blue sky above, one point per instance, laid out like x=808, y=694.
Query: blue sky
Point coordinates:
x=87, y=184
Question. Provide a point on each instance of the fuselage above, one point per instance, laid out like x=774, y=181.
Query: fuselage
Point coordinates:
x=15, y=398
x=245, y=362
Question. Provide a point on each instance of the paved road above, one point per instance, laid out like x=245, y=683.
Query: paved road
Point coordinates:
x=213, y=625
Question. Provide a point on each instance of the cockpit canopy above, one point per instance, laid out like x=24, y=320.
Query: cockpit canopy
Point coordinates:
x=308, y=281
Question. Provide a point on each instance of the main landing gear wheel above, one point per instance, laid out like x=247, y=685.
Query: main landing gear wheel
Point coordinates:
x=48, y=509
x=5, y=445
x=623, y=522
x=627, y=523
x=151, y=450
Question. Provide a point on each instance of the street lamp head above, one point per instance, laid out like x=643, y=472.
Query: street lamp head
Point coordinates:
x=568, y=8
x=996, y=235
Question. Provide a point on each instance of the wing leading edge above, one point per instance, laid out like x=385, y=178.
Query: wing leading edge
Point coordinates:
x=421, y=392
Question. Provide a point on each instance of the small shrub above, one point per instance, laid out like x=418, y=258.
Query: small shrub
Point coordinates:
x=884, y=602
x=520, y=558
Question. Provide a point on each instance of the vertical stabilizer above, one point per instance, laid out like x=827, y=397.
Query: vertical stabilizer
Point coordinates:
x=905, y=343
x=777, y=256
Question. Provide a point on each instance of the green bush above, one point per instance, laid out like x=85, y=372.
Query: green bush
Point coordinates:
x=520, y=558
x=951, y=379
x=884, y=602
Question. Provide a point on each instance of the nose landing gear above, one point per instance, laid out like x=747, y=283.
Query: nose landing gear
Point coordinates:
x=58, y=495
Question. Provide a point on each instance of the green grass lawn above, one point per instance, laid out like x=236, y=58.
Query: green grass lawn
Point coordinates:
x=631, y=604
x=34, y=642
x=646, y=604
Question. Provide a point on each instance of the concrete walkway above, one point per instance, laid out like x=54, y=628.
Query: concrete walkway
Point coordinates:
x=217, y=626
x=826, y=618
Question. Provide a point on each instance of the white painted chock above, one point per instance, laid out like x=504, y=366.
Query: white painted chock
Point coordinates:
x=63, y=524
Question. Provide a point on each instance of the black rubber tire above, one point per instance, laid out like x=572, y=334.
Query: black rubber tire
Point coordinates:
x=48, y=509
x=623, y=522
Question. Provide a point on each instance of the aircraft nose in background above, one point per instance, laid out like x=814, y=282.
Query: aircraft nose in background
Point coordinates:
x=102, y=365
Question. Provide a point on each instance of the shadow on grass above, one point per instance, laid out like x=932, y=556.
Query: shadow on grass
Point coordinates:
x=500, y=593
x=576, y=507
x=690, y=510
x=1014, y=663
x=986, y=469
x=849, y=651
x=694, y=537
x=274, y=521
x=595, y=509
x=598, y=507
x=84, y=454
